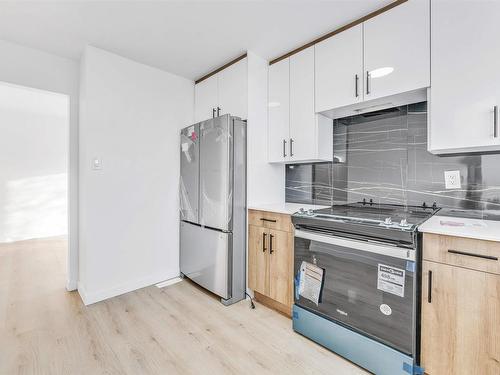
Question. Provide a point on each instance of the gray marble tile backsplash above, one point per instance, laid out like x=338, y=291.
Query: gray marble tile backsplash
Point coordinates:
x=383, y=156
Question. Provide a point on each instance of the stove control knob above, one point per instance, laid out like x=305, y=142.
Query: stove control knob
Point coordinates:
x=310, y=212
x=302, y=211
x=388, y=221
x=403, y=223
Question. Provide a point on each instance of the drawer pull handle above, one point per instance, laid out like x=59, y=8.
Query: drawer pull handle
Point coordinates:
x=489, y=257
x=429, y=290
x=269, y=220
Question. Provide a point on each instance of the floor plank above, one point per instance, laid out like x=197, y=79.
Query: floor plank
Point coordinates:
x=179, y=329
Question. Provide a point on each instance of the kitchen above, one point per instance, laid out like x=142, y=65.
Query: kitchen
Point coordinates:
x=345, y=190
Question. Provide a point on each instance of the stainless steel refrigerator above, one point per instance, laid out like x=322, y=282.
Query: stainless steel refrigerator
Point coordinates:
x=213, y=206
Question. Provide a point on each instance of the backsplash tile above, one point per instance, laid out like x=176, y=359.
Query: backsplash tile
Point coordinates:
x=383, y=156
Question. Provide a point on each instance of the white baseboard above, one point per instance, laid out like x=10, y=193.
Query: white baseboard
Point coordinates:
x=165, y=283
x=71, y=285
x=89, y=298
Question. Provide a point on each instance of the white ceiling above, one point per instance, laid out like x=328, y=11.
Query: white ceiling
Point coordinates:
x=188, y=38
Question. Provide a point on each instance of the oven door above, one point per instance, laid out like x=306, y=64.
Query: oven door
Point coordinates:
x=366, y=286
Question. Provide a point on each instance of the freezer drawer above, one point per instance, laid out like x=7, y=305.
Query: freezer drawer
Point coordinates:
x=206, y=257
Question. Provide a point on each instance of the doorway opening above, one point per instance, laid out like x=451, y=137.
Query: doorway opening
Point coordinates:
x=34, y=170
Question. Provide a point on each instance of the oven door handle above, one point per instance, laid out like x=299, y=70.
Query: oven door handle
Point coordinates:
x=388, y=250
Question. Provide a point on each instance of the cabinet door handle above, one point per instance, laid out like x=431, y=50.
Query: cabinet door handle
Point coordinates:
x=367, y=82
x=269, y=220
x=291, y=147
x=218, y=110
x=495, y=121
x=489, y=257
x=271, y=244
x=356, y=81
x=284, y=148
x=213, y=112
x=429, y=288
x=264, y=235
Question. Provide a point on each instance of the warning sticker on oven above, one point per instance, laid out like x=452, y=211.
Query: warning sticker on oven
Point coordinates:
x=391, y=280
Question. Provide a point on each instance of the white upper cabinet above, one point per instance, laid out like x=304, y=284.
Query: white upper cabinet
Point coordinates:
x=465, y=63
x=205, y=98
x=233, y=83
x=310, y=138
x=279, y=111
x=384, y=60
x=397, y=50
x=339, y=69
x=296, y=133
x=224, y=92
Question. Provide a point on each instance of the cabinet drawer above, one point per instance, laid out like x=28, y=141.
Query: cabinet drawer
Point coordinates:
x=271, y=220
x=463, y=252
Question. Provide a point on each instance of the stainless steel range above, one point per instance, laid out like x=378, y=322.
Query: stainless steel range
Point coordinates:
x=356, y=284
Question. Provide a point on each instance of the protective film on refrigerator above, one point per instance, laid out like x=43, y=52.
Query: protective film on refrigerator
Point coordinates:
x=216, y=163
x=189, y=179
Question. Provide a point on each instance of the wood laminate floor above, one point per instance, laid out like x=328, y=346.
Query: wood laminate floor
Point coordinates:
x=178, y=329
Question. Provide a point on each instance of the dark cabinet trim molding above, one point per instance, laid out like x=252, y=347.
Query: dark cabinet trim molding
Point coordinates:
x=221, y=68
x=339, y=30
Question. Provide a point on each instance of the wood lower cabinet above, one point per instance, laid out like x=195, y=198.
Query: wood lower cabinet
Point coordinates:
x=460, y=318
x=258, y=262
x=270, y=259
x=281, y=266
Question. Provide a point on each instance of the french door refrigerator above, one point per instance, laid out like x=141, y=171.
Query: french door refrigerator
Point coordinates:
x=213, y=206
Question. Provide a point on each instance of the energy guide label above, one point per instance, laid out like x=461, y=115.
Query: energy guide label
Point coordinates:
x=391, y=280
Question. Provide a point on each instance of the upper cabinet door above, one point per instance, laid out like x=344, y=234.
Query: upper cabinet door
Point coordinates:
x=233, y=82
x=302, y=143
x=279, y=111
x=205, y=98
x=397, y=50
x=465, y=77
x=339, y=70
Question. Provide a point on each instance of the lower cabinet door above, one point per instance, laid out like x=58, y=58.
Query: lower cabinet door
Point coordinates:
x=281, y=266
x=258, y=267
x=460, y=320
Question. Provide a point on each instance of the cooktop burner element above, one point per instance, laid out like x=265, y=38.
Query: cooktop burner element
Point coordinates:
x=382, y=221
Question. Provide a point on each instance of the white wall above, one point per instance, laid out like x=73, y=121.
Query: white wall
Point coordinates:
x=265, y=182
x=129, y=220
x=34, y=127
x=33, y=68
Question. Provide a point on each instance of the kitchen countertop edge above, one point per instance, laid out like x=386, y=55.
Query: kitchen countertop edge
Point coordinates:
x=284, y=208
x=487, y=230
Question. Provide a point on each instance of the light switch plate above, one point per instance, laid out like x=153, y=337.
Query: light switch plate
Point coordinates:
x=96, y=164
x=452, y=180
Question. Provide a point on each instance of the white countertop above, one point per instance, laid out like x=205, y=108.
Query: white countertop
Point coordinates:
x=456, y=226
x=284, y=208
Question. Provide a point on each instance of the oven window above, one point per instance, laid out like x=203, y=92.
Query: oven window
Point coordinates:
x=368, y=292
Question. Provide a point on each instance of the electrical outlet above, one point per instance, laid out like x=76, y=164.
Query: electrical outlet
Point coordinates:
x=452, y=180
